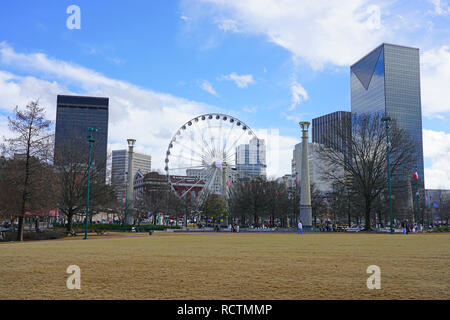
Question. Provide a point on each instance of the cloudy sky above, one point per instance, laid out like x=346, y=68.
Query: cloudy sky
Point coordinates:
x=270, y=63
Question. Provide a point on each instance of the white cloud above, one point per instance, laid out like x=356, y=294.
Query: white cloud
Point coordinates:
x=241, y=81
x=205, y=85
x=338, y=33
x=440, y=7
x=228, y=25
x=18, y=91
x=320, y=31
x=149, y=117
x=435, y=74
x=290, y=117
x=250, y=109
x=278, y=151
x=436, y=147
x=299, y=94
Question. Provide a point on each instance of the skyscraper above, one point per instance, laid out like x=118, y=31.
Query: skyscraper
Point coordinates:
x=316, y=167
x=251, y=158
x=119, y=166
x=324, y=128
x=74, y=116
x=387, y=80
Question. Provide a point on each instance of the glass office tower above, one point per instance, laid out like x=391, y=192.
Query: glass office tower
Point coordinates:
x=74, y=115
x=251, y=158
x=324, y=128
x=387, y=80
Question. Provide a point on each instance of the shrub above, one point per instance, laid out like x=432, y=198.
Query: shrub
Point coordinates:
x=442, y=229
x=79, y=227
x=46, y=235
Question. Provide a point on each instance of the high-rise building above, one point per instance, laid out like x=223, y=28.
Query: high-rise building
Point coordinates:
x=119, y=166
x=387, y=80
x=316, y=167
x=74, y=116
x=251, y=158
x=324, y=130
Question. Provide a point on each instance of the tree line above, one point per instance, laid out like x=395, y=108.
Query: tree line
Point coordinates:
x=353, y=154
x=33, y=181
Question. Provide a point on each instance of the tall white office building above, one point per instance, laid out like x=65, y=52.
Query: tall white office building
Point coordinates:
x=141, y=162
x=316, y=167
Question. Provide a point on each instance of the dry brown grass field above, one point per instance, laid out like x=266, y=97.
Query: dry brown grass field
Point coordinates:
x=229, y=266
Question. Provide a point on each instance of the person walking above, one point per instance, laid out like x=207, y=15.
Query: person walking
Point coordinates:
x=300, y=227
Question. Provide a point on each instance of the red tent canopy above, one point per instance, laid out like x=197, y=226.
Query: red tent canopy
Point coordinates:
x=50, y=213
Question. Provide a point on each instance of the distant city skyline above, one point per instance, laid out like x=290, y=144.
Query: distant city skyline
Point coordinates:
x=164, y=63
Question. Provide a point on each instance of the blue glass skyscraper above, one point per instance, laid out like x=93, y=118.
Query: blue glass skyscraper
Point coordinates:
x=387, y=80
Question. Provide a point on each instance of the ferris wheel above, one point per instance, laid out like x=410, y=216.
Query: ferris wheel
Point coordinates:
x=205, y=148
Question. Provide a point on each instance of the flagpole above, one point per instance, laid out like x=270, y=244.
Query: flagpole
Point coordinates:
x=416, y=177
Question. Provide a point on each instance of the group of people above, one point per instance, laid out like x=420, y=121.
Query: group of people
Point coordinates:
x=234, y=227
x=407, y=227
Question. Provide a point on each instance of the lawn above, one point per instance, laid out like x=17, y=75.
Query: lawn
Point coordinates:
x=229, y=266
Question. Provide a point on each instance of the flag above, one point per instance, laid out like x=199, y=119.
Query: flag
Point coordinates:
x=415, y=175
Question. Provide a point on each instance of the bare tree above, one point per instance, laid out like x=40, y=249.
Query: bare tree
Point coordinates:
x=104, y=200
x=248, y=200
x=10, y=192
x=155, y=195
x=71, y=165
x=32, y=144
x=319, y=204
x=362, y=157
x=261, y=199
x=445, y=211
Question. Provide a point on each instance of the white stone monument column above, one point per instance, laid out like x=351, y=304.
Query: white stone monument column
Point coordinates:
x=305, y=196
x=130, y=192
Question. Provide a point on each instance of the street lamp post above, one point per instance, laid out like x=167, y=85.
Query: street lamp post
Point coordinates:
x=337, y=209
x=418, y=206
x=386, y=120
x=91, y=141
x=126, y=204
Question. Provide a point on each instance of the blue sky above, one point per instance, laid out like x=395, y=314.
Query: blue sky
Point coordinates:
x=270, y=63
